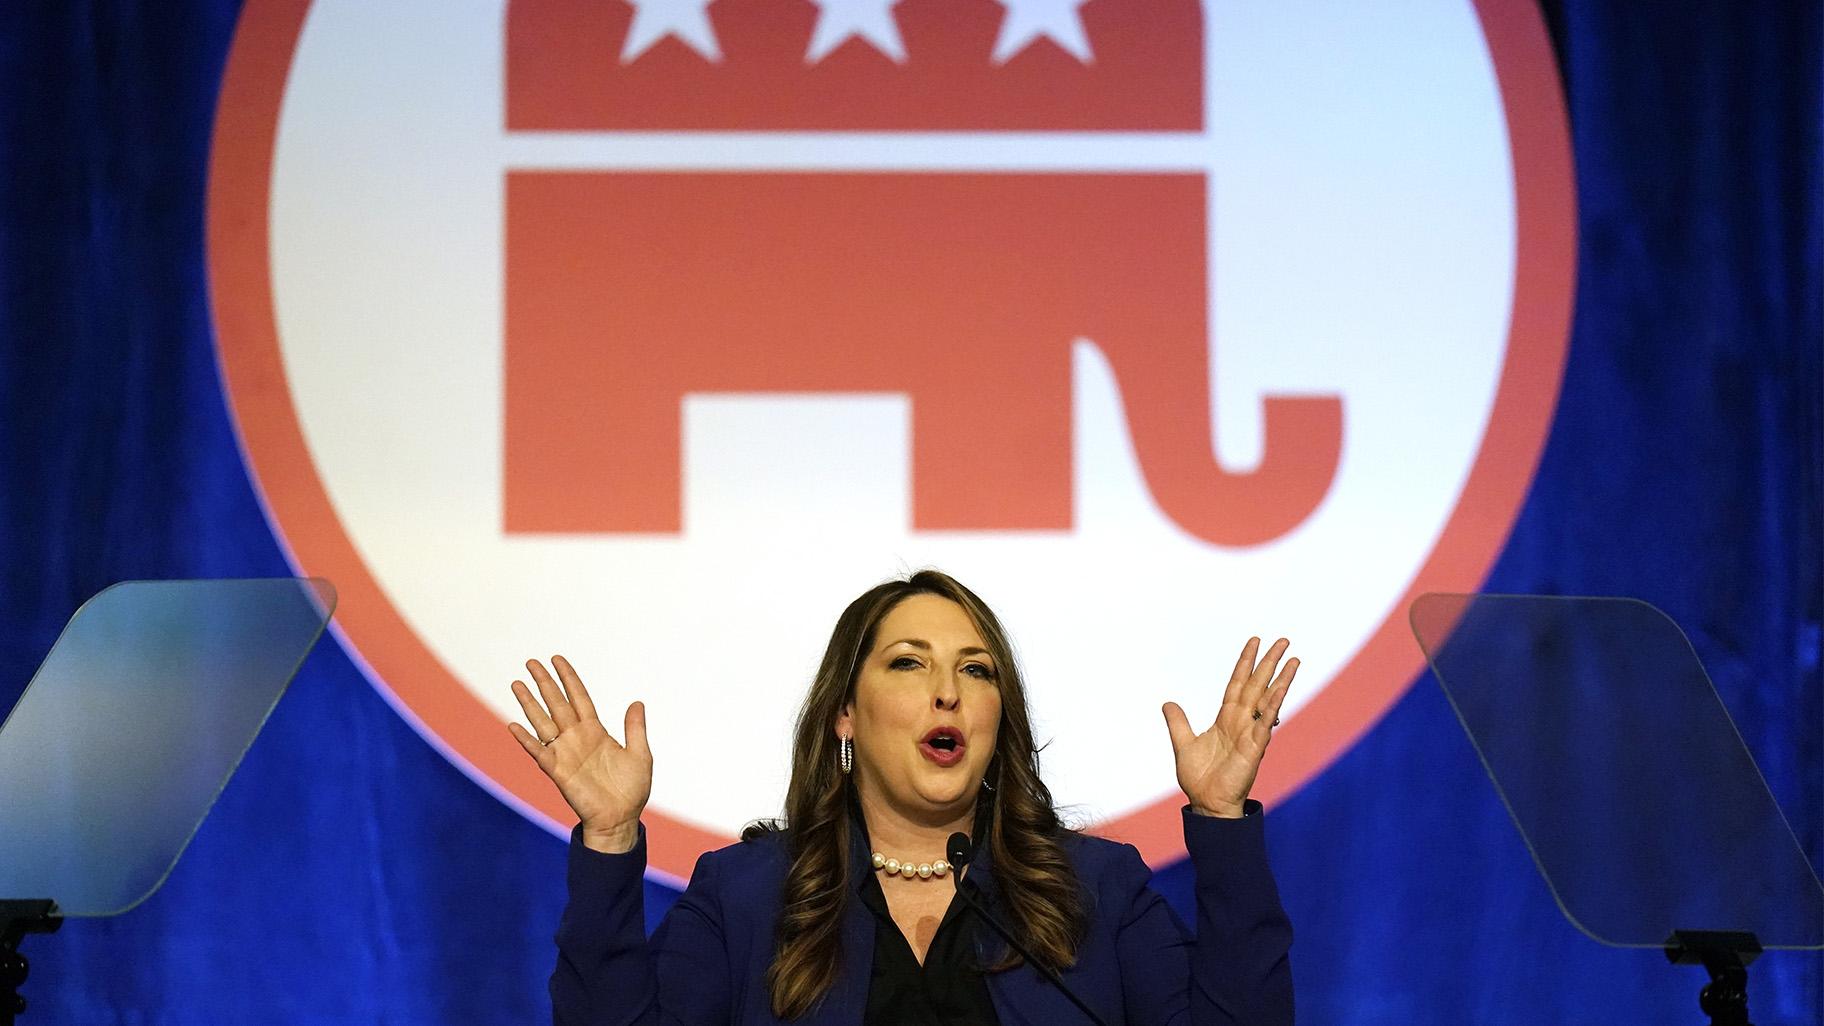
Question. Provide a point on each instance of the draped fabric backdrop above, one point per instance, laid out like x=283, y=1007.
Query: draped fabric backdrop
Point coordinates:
x=351, y=874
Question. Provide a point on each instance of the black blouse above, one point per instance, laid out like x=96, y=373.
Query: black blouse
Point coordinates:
x=948, y=990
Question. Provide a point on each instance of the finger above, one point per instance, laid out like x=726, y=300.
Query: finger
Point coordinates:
x=1178, y=726
x=1243, y=667
x=1286, y=673
x=1277, y=696
x=634, y=723
x=535, y=713
x=1263, y=673
x=573, y=687
x=529, y=743
x=561, y=713
x=1272, y=701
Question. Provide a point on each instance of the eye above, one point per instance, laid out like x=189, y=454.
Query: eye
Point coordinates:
x=903, y=663
x=980, y=671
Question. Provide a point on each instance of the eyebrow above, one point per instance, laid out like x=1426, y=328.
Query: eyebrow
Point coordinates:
x=926, y=646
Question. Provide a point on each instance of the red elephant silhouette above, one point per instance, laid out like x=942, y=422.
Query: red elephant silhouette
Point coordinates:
x=964, y=291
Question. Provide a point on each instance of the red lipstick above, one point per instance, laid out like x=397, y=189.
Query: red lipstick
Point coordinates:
x=943, y=745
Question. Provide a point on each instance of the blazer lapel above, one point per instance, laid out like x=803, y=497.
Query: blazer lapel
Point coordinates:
x=1021, y=996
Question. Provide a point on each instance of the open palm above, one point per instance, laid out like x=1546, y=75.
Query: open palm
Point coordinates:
x=605, y=782
x=1217, y=767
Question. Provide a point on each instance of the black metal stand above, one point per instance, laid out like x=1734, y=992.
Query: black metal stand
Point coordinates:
x=18, y=918
x=1725, y=954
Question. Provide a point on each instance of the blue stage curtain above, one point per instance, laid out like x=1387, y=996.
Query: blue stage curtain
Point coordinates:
x=349, y=874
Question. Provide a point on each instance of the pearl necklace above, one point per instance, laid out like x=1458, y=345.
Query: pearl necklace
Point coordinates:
x=922, y=870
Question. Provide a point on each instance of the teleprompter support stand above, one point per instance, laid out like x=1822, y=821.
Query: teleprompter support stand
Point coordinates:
x=1725, y=954
x=18, y=918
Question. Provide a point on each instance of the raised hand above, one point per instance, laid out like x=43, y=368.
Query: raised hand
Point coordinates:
x=1217, y=767
x=605, y=782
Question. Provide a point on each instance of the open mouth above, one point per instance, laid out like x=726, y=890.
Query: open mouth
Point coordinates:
x=943, y=745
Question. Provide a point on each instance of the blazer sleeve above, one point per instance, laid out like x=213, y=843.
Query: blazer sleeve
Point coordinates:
x=1237, y=970
x=609, y=974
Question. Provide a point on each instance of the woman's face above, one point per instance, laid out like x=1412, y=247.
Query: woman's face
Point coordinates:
x=926, y=711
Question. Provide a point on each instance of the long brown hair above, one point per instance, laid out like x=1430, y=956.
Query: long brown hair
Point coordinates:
x=1037, y=884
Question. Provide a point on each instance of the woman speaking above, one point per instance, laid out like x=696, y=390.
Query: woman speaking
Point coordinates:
x=849, y=911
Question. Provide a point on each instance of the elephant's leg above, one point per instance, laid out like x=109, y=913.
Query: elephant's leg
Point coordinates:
x=992, y=450
x=599, y=350
x=591, y=450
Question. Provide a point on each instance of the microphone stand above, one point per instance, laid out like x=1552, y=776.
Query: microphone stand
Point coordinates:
x=959, y=850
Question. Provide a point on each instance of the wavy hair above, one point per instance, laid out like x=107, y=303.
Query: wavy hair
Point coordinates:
x=1038, y=888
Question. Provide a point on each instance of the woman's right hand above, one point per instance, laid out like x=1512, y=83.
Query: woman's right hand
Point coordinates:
x=605, y=782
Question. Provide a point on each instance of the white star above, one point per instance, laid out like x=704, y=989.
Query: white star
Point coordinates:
x=872, y=20
x=1027, y=20
x=653, y=20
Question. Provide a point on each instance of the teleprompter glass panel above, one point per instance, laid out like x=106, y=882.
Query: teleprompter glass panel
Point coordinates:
x=133, y=725
x=1618, y=762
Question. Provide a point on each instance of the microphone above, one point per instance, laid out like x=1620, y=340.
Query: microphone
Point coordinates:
x=959, y=850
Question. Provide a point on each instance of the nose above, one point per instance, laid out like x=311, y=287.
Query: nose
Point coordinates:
x=946, y=696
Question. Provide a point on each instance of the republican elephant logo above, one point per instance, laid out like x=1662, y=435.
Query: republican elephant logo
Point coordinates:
x=961, y=289
x=649, y=331
x=963, y=292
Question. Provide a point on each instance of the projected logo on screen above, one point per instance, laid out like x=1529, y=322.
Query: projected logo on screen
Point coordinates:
x=653, y=332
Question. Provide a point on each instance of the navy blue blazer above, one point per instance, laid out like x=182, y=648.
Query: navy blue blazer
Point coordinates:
x=706, y=963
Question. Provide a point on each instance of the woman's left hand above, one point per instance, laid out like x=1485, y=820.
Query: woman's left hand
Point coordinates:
x=1217, y=767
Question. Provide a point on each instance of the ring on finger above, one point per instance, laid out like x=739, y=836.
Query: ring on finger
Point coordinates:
x=546, y=744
